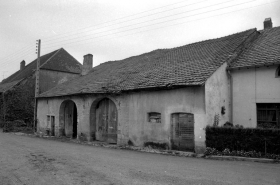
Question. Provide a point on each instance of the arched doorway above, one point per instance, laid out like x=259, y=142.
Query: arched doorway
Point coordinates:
x=68, y=119
x=104, y=121
x=182, y=131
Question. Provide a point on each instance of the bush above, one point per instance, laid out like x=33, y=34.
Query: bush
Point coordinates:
x=156, y=145
x=253, y=154
x=17, y=126
x=266, y=141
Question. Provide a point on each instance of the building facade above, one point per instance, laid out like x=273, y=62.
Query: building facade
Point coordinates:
x=166, y=96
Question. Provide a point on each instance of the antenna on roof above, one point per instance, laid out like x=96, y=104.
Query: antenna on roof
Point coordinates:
x=4, y=74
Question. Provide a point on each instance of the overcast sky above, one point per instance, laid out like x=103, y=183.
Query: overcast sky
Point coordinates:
x=117, y=29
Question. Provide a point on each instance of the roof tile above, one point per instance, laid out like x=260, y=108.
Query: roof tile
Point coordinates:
x=182, y=66
x=265, y=50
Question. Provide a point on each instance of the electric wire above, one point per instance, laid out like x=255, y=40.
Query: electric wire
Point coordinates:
x=182, y=22
x=13, y=57
x=156, y=19
x=26, y=49
x=86, y=29
x=87, y=38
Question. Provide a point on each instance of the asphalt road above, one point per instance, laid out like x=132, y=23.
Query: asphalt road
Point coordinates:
x=36, y=161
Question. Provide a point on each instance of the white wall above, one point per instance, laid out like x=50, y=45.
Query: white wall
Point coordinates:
x=217, y=95
x=252, y=86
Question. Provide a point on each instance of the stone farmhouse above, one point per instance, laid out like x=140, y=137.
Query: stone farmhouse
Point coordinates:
x=170, y=95
x=17, y=92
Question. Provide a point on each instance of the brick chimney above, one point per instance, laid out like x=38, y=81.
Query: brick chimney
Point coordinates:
x=87, y=64
x=267, y=23
x=22, y=65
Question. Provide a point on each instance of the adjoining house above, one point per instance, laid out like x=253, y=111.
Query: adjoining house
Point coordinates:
x=17, y=92
x=164, y=96
x=256, y=81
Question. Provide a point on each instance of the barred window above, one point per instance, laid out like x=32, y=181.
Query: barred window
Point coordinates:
x=154, y=117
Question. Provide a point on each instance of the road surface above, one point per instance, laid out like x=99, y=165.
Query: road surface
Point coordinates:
x=36, y=161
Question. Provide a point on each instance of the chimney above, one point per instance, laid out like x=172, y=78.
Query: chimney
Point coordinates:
x=87, y=64
x=22, y=65
x=267, y=23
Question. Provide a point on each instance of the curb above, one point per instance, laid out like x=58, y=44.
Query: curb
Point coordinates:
x=155, y=151
x=120, y=147
x=236, y=158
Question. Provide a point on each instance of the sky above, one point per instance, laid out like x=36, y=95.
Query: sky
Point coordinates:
x=114, y=30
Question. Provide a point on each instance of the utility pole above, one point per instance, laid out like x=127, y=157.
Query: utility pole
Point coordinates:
x=37, y=84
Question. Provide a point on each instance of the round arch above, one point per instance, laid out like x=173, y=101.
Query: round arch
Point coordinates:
x=104, y=120
x=68, y=119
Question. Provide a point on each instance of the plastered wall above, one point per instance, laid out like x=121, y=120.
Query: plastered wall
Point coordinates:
x=217, y=95
x=49, y=79
x=252, y=86
x=133, y=109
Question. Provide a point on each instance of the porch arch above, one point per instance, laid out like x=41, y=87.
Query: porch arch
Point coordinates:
x=68, y=119
x=104, y=120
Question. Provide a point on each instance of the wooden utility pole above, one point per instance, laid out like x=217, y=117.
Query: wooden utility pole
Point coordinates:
x=37, y=84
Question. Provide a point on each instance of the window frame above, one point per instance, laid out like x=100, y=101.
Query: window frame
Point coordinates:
x=156, y=116
x=267, y=117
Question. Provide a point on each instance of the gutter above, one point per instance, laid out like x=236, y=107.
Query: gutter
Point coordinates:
x=231, y=95
x=254, y=66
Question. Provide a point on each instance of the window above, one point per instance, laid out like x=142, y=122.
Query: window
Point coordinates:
x=48, y=118
x=268, y=115
x=154, y=117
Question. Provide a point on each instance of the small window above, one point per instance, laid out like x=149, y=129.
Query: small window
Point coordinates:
x=48, y=118
x=154, y=117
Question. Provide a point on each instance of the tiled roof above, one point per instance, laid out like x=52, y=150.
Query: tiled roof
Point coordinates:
x=265, y=50
x=163, y=68
x=28, y=69
x=63, y=61
x=58, y=60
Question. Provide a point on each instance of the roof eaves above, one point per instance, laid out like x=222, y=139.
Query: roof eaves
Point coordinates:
x=253, y=66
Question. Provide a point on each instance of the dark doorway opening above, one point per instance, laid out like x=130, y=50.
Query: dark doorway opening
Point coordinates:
x=75, y=122
x=68, y=119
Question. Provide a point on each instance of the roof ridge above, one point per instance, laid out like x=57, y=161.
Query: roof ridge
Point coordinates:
x=50, y=58
x=19, y=71
x=179, y=47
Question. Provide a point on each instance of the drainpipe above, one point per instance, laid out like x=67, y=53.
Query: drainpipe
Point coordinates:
x=4, y=108
x=231, y=96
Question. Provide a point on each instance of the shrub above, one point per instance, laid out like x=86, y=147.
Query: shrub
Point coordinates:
x=227, y=152
x=243, y=139
x=228, y=124
x=156, y=145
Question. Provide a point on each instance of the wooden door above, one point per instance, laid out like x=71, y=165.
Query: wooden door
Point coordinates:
x=52, y=126
x=106, y=121
x=182, y=136
x=70, y=118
